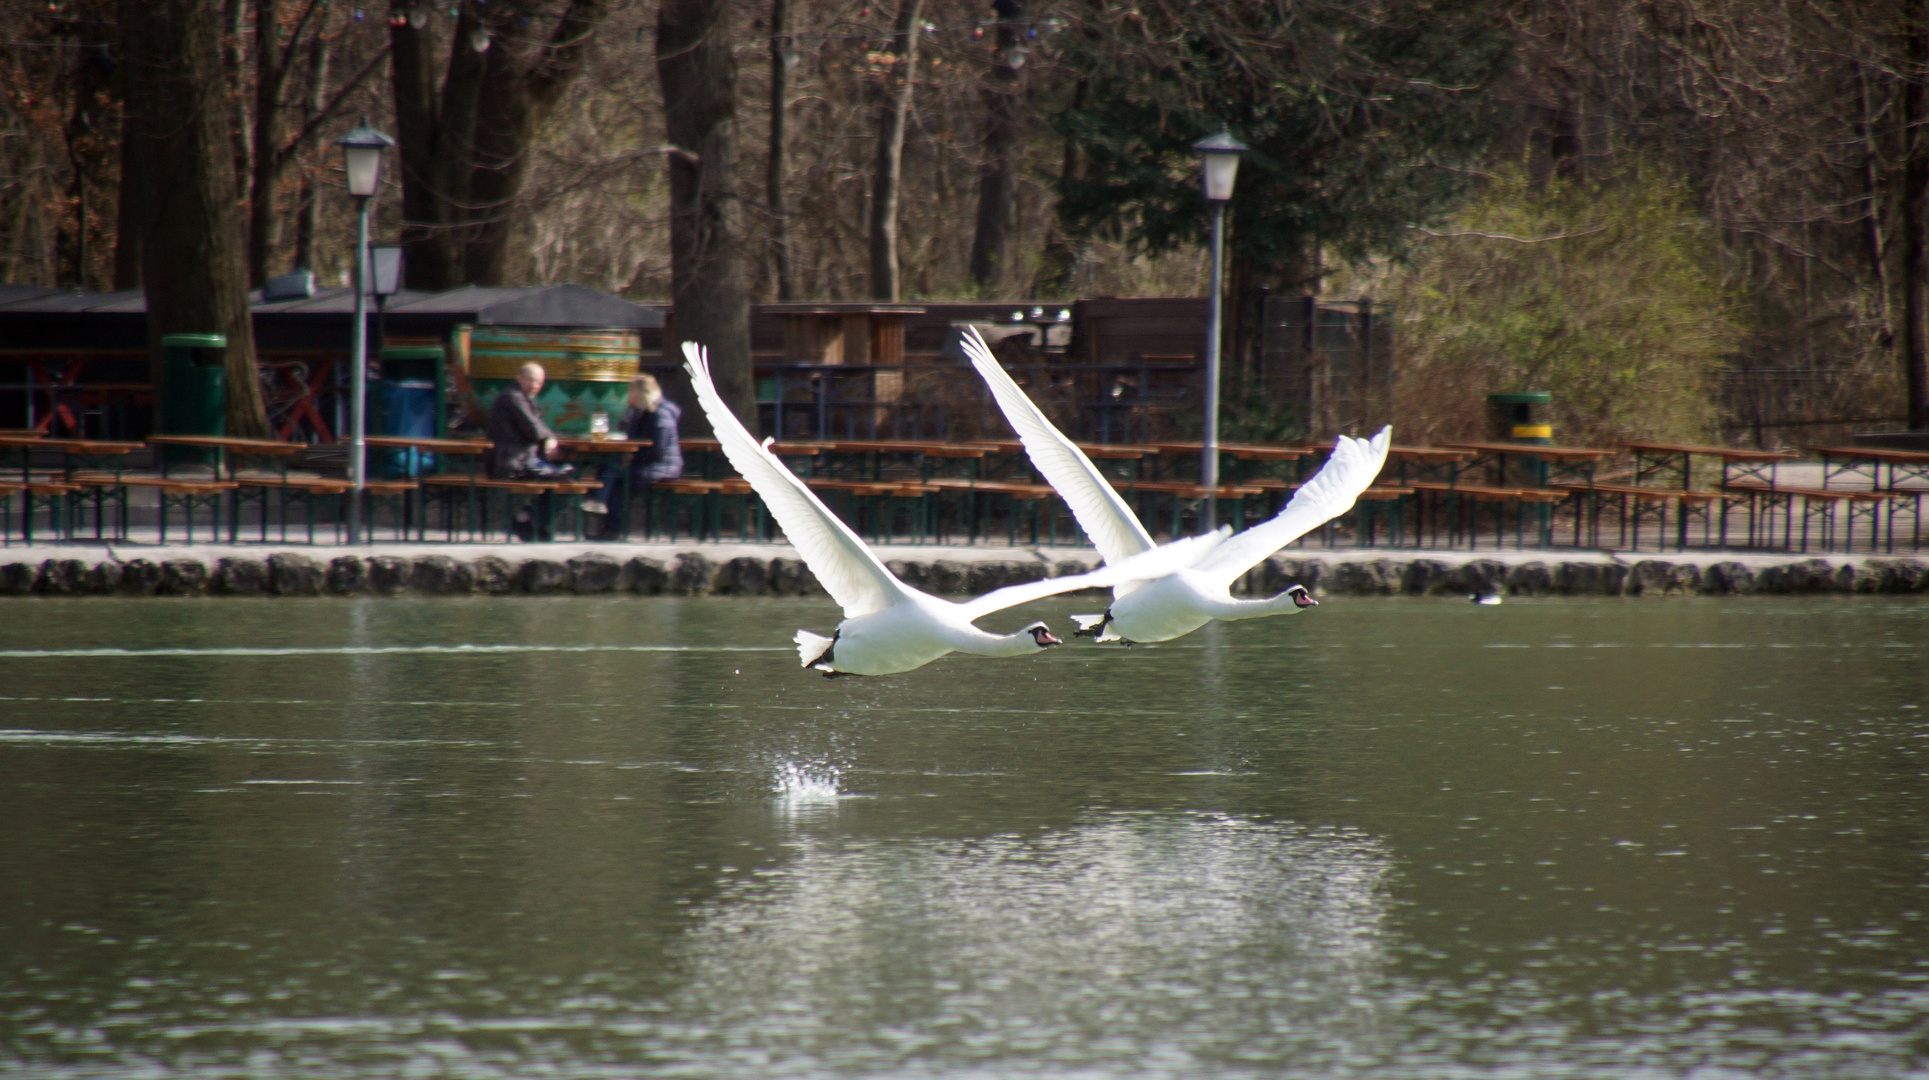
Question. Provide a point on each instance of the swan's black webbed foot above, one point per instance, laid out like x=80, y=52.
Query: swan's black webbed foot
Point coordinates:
x=1093, y=629
x=823, y=661
x=829, y=674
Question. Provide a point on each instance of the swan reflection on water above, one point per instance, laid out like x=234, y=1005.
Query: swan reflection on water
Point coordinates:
x=1118, y=943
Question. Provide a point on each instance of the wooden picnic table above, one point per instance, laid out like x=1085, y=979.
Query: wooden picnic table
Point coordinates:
x=1453, y=492
x=1739, y=453
x=425, y=443
x=1570, y=461
x=1428, y=455
x=468, y=449
x=688, y=446
x=266, y=447
x=68, y=449
x=1816, y=503
x=1095, y=451
x=1259, y=452
x=1737, y=464
x=602, y=446
x=1241, y=451
x=1904, y=465
x=223, y=447
x=1565, y=454
x=68, y=446
x=870, y=454
x=900, y=446
x=1426, y=462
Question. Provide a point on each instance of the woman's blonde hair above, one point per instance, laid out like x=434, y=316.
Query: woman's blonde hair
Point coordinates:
x=645, y=394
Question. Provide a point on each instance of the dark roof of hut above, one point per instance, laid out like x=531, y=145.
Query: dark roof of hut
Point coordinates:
x=557, y=306
x=33, y=318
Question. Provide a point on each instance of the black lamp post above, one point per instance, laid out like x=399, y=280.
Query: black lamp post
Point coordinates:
x=1219, y=156
x=362, y=161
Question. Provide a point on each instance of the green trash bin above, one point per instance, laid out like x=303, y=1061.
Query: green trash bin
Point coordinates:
x=194, y=393
x=1521, y=418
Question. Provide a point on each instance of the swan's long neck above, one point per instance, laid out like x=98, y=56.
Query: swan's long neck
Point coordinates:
x=983, y=644
x=1230, y=609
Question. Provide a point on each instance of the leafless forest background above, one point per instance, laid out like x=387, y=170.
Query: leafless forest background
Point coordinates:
x=1694, y=218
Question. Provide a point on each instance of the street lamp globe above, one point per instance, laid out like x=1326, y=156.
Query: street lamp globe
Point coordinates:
x=362, y=158
x=1220, y=154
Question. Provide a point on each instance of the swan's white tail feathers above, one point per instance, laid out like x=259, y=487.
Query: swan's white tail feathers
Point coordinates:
x=810, y=646
x=1086, y=622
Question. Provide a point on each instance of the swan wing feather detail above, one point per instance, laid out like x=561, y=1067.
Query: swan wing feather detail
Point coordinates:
x=1352, y=468
x=843, y=563
x=1115, y=530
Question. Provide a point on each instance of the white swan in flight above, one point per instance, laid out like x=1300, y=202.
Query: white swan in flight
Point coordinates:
x=888, y=626
x=1182, y=601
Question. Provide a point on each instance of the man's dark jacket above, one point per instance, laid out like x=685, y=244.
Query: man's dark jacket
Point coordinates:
x=518, y=431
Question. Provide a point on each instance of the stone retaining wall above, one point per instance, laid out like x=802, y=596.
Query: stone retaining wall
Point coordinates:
x=690, y=574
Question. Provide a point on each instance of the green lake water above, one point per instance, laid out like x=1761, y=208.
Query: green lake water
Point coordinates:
x=622, y=837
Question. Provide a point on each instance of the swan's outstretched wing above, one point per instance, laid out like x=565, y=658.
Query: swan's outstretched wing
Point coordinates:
x=843, y=563
x=1114, y=529
x=1351, y=469
x=1145, y=566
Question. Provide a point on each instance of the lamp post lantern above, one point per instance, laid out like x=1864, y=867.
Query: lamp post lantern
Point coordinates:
x=362, y=161
x=1219, y=156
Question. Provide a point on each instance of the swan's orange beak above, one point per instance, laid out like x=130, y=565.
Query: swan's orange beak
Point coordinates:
x=1304, y=599
x=1043, y=637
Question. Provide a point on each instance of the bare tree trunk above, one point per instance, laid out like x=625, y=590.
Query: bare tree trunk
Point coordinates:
x=435, y=130
x=503, y=117
x=709, y=301
x=89, y=78
x=193, y=254
x=308, y=217
x=998, y=182
x=890, y=152
x=273, y=148
x=234, y=65
x=774, y=159
x=271, y=78
x=465, y=147
x=130, y=224
x=1877, y=251
x=519, y=91
x=1915, y=237
x=412, y=88
x=452, y=157
x=1058, y=272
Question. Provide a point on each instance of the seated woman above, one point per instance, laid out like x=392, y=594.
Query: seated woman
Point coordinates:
x=648, y=417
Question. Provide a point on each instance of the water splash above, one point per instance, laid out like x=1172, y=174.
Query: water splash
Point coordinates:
x=807, y=783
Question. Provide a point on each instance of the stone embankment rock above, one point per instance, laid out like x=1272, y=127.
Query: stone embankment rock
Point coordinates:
x=698, y=574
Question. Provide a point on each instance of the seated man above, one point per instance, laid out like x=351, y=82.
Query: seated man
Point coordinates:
x=525, y=449
x=648, y=417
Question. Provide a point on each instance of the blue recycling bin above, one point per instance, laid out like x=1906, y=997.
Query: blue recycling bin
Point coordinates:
x=411, y=405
